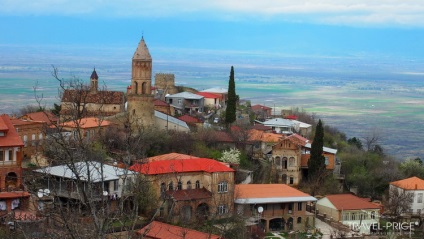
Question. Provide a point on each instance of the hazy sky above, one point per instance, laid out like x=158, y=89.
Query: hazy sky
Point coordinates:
x=324, y=27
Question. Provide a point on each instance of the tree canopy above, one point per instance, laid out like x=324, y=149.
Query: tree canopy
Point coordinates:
x=230, y=112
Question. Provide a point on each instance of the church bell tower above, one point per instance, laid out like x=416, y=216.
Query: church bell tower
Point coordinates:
x=140, y=98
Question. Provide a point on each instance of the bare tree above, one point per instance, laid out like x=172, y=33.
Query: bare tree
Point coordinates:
x=398, y=201
x=372, y=139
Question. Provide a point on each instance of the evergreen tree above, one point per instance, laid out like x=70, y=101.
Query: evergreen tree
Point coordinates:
x=316, y=163
x=230, y=113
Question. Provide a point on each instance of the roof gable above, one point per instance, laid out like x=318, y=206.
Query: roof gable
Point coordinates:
x=10, y=137
x=350, y=202
x=412, y=183
x=160, y=230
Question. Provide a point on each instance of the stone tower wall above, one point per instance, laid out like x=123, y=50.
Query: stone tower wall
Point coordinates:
x=140, y=110
x=166, y=82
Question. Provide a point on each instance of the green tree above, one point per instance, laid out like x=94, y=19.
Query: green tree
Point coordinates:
x=355, y=141
x=230, y=112
x=316, y=163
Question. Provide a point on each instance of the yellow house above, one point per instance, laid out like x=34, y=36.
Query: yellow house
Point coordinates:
x=190, y=189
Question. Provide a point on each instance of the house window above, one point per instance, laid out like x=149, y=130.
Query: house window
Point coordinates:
x=162, y=187
x=420, y=198
x=180, y=185
x=299, y=206
x=1, y=155
x=222, y=187
x=171, y=186
x=180, y=101
x=290, y=207
x=197, y=184
x=33, y=140
x=222, y=209
x=299, y=220
x=291, y=162
x=25, y=140
x=11, y=158
x=278, y=161
x=352, y=216
x=326, y=160
x=188, y=185
x=291, y=180
x=418, y=211
x=115, y=185
x=372, y=215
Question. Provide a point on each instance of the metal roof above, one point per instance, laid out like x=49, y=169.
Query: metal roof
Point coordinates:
x=186, y=95
x=92, y=171
x=171, y=119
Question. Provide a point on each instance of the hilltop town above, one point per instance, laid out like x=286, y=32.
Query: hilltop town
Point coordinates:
x=157, y=160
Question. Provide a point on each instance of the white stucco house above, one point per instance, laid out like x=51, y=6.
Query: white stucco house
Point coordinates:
x=413, y=185
x=357, y=213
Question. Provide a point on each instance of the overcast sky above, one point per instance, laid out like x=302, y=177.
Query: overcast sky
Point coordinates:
x=387, y=27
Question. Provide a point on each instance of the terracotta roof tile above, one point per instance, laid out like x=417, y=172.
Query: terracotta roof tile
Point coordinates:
x=189, y=119
x=260, y=107
x=99, y=97
x=45, y=116
x=413, y=183
x=209, y=95
x=169, y=156
x=189, y=194
x=350, y=202
x=267, y=191
x=257, y=135
x=11, y=137
x=160, y=230
x=181, y=166
x=86, y=123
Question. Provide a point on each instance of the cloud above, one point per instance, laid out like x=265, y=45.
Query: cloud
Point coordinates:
x=352, y=12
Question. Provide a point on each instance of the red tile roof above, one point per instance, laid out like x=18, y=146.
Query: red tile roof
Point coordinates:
x=19, y=122
x=11, y=137
x=189, y=119
x=46, y=116
x=267, y=191
x=257, y=135
x=169, y=156
x=189, y=194
x=260, y=107
x=99, y=97
x=160, y=103
x=181, y=166
x=222, y=136
x=413, y=183
x=160, y=230
x=350, y=202
x=85, y=123
x=209, y=95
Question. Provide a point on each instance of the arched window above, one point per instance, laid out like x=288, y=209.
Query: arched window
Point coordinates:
x=171, y=186
x=278, y=161
x=223, y=187
x=162, y=187
x=299, y=220
x=136, y=91
x=291, y=162
x=180, y=185
x=188, y=185
x=144, y=88
x=197, y=184
x=291, y=180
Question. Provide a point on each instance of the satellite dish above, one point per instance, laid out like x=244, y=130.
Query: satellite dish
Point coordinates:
x=260, y=209
x=105, y=193
x=40, y=193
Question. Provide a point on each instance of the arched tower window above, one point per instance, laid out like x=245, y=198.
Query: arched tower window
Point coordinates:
x=135, y=87
x=144, y=88
x=188, y=185
x=197, y=184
